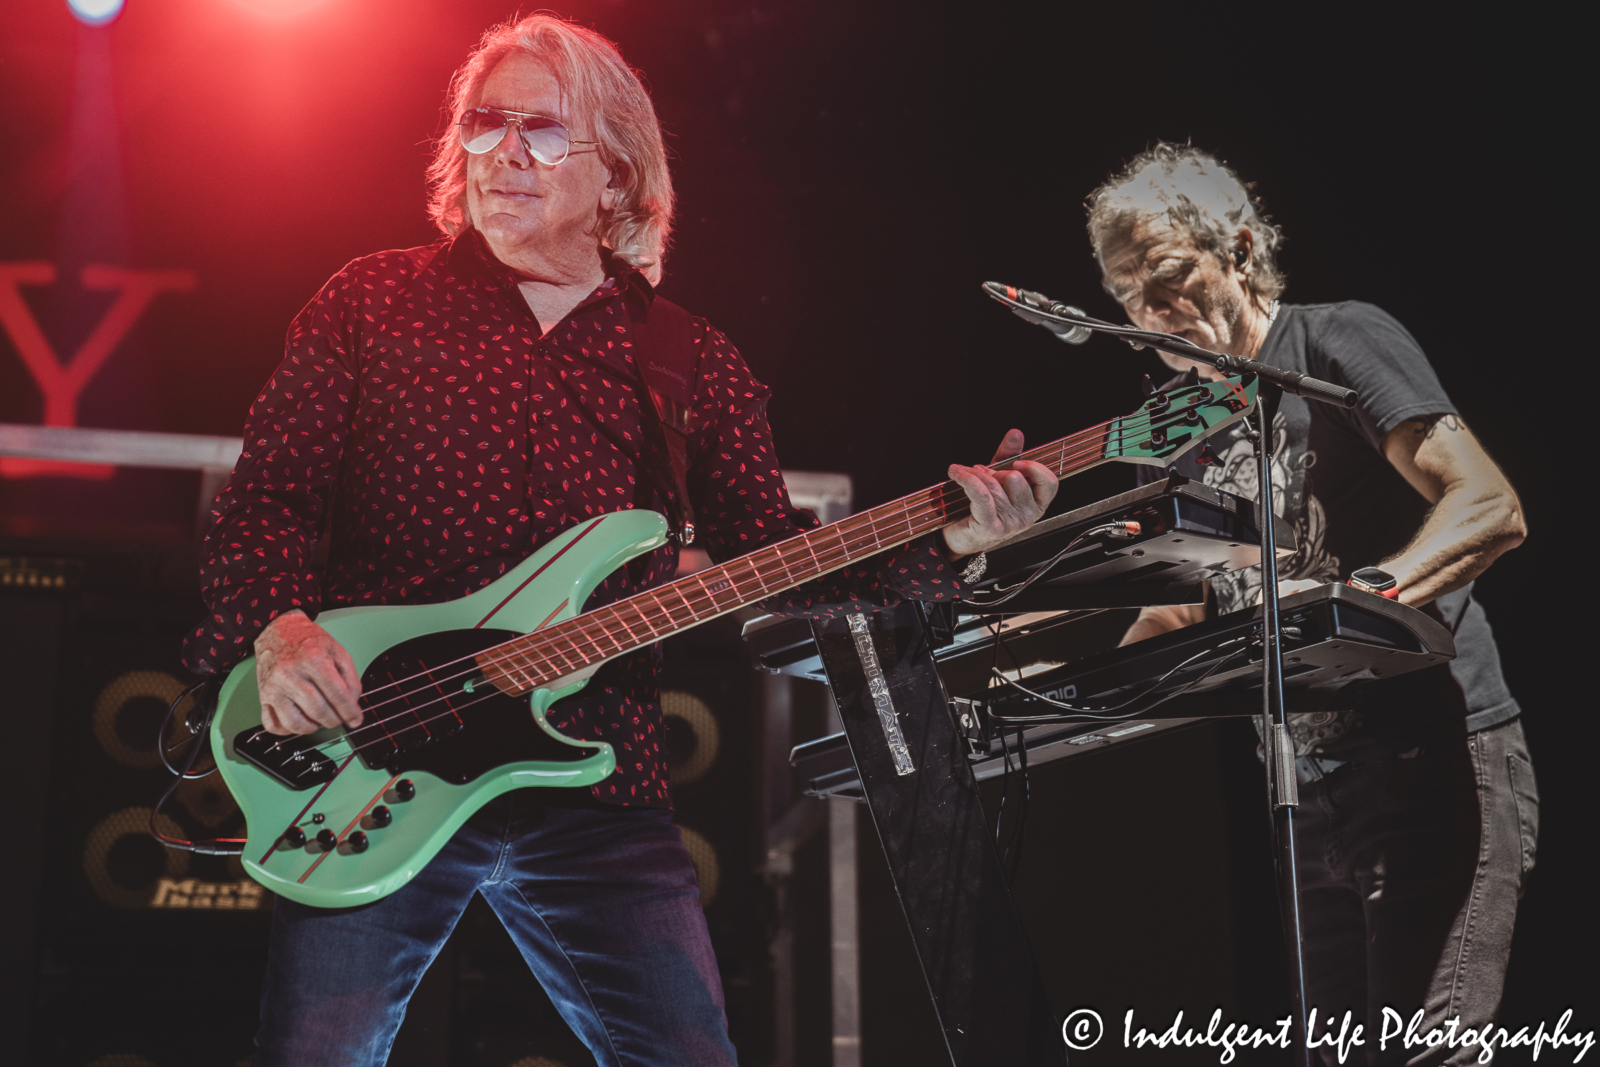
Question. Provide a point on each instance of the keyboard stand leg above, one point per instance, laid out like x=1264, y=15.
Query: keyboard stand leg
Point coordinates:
x=923, y=798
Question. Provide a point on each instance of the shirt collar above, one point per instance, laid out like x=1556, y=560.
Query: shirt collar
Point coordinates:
x=467, y=254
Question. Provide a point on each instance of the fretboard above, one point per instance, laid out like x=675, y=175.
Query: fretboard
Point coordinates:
x=567, y=648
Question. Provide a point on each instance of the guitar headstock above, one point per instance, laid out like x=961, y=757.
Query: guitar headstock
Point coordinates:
x=1169, y=424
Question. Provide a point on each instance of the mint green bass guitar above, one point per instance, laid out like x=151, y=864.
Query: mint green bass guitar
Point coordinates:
x=457, y=696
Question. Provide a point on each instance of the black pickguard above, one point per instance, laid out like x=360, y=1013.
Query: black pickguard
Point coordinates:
x=485, y=730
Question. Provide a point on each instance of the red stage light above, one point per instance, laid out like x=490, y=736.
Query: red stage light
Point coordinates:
x=95, y=12
x=278, y=7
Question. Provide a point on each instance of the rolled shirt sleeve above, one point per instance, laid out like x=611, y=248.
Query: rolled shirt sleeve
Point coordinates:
x=1364, y=348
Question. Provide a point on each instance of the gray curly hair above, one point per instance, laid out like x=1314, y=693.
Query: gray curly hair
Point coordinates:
x=604, y=93
x=1193, y=191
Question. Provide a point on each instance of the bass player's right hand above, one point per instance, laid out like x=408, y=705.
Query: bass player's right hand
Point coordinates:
x=306, y=679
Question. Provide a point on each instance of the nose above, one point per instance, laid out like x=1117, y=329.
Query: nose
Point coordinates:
x=1155, y=301
x=511, y=151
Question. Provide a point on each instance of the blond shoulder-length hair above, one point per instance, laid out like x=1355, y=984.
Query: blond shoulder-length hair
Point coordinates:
x=607, y=103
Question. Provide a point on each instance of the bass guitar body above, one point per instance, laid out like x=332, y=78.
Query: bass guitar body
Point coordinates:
x=344, y=817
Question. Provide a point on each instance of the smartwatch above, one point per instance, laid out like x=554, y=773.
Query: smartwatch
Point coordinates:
x=1375, y=580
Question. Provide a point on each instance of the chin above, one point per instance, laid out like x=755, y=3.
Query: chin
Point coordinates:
x=506, y=229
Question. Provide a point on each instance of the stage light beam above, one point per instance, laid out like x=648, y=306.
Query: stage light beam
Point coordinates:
x=95, y=12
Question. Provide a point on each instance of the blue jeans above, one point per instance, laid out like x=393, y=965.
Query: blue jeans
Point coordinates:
x=602, y=903
x=1410, y=873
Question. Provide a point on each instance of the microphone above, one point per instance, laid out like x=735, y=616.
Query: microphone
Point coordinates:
x=1012, y=297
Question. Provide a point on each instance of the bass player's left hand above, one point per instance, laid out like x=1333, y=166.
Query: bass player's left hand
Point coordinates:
x=1004, y=503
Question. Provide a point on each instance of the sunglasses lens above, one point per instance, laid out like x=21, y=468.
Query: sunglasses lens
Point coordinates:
x=546, y=140
x=481, y=129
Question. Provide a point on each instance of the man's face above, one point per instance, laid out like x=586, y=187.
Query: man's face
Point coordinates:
x=1165, y=281
x=526, y=210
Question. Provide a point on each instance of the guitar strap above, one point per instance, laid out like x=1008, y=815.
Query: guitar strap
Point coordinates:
x=666, y=360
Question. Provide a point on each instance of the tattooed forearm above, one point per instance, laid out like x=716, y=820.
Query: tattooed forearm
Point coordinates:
x=1425, y=428
x=1475, y=516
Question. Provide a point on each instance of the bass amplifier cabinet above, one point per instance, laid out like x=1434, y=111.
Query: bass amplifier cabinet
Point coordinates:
x=117, y=950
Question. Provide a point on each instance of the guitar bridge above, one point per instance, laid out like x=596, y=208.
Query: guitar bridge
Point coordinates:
x=297, y=762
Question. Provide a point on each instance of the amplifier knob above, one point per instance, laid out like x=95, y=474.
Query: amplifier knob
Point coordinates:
x=294, y=837
x=327, y=840
x=357, y=841
x=381, y=816
x=405, y=789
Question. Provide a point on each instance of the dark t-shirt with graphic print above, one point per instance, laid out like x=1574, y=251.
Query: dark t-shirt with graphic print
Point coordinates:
x=1350, y=508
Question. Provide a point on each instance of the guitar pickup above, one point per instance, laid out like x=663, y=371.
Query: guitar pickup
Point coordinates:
x=297, y=762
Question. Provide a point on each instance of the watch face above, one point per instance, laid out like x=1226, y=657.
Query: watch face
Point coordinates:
x=1374, y=578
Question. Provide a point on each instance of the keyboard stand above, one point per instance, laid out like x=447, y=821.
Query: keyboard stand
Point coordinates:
x=919, y=786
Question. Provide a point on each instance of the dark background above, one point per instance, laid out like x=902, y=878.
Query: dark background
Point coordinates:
x=849, y=173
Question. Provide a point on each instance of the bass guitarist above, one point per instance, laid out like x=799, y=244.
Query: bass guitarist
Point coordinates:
x=439, y=414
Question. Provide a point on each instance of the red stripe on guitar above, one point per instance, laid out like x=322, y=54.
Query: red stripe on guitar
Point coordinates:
x=550, y=616
x=538, y=572
x=343, y=833
x=307, y=808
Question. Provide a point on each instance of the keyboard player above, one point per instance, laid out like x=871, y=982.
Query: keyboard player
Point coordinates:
x=1418, y=814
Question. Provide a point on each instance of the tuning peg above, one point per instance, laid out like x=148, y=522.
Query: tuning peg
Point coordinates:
x=1148, y=386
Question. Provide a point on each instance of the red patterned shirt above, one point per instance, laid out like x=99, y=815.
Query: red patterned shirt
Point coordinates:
x=420, y=419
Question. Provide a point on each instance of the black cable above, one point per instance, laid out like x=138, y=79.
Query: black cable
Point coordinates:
x=1018, y=833
x=196, y=734
x=1118, y=530
x=1005, y=788
x=1093, y=714
x=223, y=846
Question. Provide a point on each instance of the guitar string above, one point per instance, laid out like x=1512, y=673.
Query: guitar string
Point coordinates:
x=539, y=651
x=777, y=557
x=935, y=501
x=541, y=656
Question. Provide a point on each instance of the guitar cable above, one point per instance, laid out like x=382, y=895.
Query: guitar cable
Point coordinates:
x=1118, y=531
x=1013, y=847
x=1093, y=714
x=198, y=722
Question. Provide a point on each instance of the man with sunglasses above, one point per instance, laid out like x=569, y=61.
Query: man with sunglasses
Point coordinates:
x=1418, y=811
x=440, y=413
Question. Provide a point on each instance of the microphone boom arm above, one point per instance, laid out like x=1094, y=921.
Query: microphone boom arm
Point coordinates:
x=1060, y=315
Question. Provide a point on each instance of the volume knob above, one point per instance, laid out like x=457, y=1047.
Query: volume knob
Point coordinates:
x=405, y=789
x=381, y=816
x=294, y=837
x=327, y=839
x=357, y=841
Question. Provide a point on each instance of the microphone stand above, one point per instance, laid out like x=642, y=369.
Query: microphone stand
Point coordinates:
x=1283, y=792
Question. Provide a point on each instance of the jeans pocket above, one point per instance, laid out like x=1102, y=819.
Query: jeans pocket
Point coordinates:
x=1525, y=791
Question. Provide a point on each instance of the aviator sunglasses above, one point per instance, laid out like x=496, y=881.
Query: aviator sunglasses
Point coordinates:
x=546, y=139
